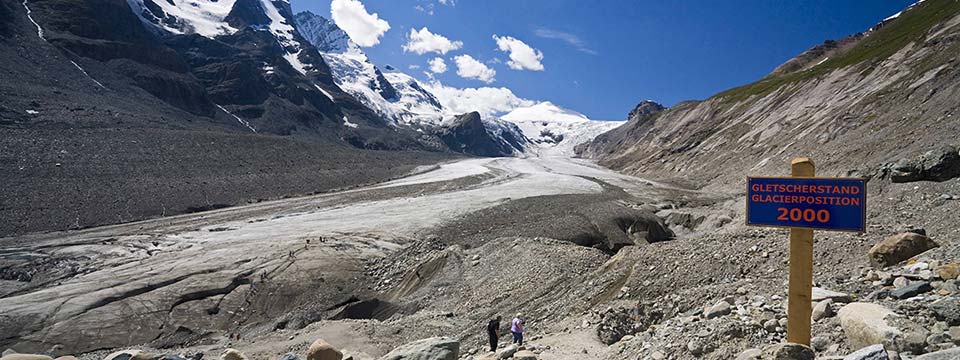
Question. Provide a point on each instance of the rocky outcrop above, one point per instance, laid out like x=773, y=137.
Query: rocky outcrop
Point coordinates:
x=941, y=164
x=437, y=348
x=644, y=109
x=614, y=325
x=468, y=134
x=899, y=247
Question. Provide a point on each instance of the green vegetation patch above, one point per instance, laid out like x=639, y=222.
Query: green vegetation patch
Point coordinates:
x=911, y=25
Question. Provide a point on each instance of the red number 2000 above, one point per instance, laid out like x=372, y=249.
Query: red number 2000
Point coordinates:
x=808, y=215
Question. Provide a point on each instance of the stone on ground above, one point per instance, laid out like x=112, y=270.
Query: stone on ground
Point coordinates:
x=949, y=354
x=525, y=355
x=614, y=325
x=872, y=352
x=717, y=310
x=866, y=324
x=947, y=309
x=131, y=354
x=897, y=248
x=508, y=351
x=820, y=343
x=322, y=350
x=822, y=310
x=25, y=357
x=820, y=294
x=909, y=291
x=949, y=271
x=749, y=354
x=232, y=354
x=435, y=348
x=788, y=351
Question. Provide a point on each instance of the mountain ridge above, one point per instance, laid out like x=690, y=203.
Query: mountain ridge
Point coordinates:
x=897, y=78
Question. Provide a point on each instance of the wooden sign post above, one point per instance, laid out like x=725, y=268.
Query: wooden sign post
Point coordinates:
x=803, y=203
x=799, y=295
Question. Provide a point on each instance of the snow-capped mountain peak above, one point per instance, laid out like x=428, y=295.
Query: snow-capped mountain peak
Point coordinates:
x=324, y=34
x=544, y=111
x=203, y=17
x=394, y=95
x=556, y=130
x=212, y=18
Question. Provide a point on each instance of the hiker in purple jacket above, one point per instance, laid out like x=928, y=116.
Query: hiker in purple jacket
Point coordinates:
x=516, y=328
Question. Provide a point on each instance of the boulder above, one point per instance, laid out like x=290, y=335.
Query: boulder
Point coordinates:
x=435, y=348
x=820, y=343
x=949, y=271
x=749, y=354
x=949, y=354
x=822, y=310
x=899, y=247
x=947, y=309
x=130, y=354
x=25, y=357
x=525, y=355
x=508, y=351
x=872, y=352
x=940, y=164
x=867, y=324
x=322, y=350
x=717, y=310
x=614, y=325
x=788, y=351
x=288, y=356
x=911, y=290
x=232, y=354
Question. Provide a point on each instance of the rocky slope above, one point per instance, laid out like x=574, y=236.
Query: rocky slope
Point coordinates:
x=855, y=106
x=170, y=114
x=881, y=105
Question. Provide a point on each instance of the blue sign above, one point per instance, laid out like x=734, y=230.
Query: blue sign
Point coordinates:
x=813, y=203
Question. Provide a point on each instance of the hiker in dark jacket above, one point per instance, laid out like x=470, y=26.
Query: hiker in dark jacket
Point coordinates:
x=493, y=330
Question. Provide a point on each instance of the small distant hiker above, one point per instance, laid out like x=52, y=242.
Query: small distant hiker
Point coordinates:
x=493, y=330
x=516, y=328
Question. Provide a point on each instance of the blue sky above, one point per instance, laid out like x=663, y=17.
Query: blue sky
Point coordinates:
x=602, y=57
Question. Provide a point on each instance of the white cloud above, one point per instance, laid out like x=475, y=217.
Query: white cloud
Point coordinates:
x=424, y=41
x=413, y=67
x=470, y=68
x=425, y=9
x=365, y=29
x=566, y=37
x=522, y=56
x=448, y=2
x=437, y=65
x=488, y=101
